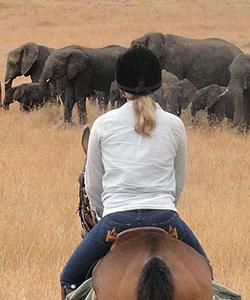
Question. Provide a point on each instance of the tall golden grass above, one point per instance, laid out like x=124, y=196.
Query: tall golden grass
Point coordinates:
x=41, y=158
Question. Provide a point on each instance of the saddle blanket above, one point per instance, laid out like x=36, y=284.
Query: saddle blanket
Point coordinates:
x=85, y=292
x=223, y=293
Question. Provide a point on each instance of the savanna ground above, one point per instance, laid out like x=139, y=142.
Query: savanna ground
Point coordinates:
x=41, y=158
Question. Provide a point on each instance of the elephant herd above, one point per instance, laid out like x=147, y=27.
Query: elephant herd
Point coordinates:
x=210, y=73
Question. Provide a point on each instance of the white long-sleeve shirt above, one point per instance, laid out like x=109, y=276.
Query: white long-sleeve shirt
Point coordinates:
x=127, y=171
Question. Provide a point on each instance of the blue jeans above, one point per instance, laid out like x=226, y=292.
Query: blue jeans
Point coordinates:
x=93, y=247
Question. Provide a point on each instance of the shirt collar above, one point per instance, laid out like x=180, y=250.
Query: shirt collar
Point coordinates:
x=130, y=104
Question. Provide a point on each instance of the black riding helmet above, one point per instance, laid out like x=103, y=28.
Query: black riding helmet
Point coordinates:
x=138, y=71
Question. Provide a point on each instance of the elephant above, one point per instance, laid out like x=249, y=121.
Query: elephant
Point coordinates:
x=27, y=60
x=177, y=96
x=217, y=99
x=203, y=62
x=239, y=86
x=28, y=95
x=85, y=70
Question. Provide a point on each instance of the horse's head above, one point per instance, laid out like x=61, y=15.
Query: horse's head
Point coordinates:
x=85, y=139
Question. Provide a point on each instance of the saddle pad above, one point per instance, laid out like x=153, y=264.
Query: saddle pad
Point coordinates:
x=85, y=292
x=223, y=293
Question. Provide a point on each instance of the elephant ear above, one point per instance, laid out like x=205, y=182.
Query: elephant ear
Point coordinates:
x=30, y=55
x=213, y=95
x=156, y=43
x=78, y=62
x=14, y=56
x=168, y=77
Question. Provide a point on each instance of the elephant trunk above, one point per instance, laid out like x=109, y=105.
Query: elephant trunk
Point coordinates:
x=44, y=79
x=45, y=90
x=199, y=101
x=7, y=84
x=44, y=82
x=10, y=74
x=46, y=75
x=193, y=111
x=237, y=92
x=197, y=104
x=8, y=99
x=158, y=96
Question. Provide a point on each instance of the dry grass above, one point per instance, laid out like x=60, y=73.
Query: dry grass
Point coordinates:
x=41, y=158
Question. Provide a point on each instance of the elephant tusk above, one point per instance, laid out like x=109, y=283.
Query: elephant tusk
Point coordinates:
x=6, y=82
x=226, y=90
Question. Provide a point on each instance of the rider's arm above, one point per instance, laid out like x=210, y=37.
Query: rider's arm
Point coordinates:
x=180, y=161
x=94, y=171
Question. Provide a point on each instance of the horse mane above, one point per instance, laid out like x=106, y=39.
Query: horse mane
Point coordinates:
x=155, y=281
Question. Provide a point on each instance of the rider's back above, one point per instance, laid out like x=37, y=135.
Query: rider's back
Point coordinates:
x=139, y=171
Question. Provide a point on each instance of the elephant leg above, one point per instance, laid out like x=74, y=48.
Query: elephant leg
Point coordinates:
x=81, y=92
x=101, y=102
x=82, y=111
x=239, y=107
x=69, y=104
x=247, y=107
x=101, y=105
x=106, y=101
x=219, y=111
x=112, y=103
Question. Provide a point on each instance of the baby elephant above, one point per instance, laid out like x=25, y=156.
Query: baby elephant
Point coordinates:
x=217, y=99
x=115, y=96
x=177, y=96
x=29, y=96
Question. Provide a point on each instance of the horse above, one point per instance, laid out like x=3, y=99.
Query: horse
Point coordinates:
x=149, y=264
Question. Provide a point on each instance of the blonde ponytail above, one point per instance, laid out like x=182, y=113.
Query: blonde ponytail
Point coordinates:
x=144, y=108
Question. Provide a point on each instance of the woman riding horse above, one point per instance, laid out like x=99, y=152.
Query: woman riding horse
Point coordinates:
x=136, y=167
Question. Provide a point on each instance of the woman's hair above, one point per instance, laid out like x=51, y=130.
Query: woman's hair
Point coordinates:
x=144, y=108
